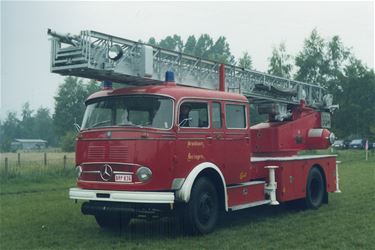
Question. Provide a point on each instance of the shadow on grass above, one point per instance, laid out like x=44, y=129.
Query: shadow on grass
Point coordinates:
x=171, y=227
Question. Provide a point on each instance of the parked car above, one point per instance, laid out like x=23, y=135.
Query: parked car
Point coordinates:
x=339, y=144
x=357, y=144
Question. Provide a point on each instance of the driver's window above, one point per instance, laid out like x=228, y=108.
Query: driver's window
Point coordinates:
x=194, y=115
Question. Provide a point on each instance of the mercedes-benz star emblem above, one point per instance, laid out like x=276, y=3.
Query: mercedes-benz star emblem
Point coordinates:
x=106, y=172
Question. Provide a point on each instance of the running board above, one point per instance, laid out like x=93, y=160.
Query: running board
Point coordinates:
x=251, y=204
x=246, y=193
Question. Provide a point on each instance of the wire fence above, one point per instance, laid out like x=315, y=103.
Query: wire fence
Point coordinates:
x=35, y=164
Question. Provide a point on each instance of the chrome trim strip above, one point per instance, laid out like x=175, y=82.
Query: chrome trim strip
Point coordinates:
x=290, y=158
x=125, y=139
x=122, y=172
x=193, y=132
x=101, y=162
x=122, y=196
x=118, y=129
x=112, y=182
x=236, y=133
x=91, y=172
x=245, y=184
x=188, y=139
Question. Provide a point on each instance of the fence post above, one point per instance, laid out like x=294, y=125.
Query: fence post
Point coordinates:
x=6, y=166
x=19, y=159
x=64, y=162
x=45, y=158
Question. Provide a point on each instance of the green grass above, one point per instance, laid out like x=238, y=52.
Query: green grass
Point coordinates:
x=39, y=215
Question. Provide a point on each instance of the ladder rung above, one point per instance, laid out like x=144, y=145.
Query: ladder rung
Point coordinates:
x=70, y=60
x=75, y=53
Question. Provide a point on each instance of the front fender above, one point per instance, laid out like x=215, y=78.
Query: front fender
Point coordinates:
x=183, y=194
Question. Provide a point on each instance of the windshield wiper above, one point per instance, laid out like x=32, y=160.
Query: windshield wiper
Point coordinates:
x=100, y=123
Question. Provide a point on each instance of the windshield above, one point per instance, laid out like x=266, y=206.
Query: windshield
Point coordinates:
x=356, y=141
x=132, y=111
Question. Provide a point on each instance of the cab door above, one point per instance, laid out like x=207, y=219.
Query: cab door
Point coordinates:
x=237, y=142
x=194, y=138
x=217, y=150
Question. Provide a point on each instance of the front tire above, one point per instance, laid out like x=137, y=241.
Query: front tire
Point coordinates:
x=315, y=189
x=201, y=213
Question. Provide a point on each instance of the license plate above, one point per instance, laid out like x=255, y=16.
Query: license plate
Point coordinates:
x=123, y=178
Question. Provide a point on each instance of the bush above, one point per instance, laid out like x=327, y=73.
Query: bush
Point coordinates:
x=68, y=141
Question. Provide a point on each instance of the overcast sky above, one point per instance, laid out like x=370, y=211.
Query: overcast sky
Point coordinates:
x=248, y=26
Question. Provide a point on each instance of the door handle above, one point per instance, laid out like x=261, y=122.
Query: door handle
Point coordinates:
x=209, y=138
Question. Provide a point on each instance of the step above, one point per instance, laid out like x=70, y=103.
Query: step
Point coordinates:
x=245, y=193
x=247, y=205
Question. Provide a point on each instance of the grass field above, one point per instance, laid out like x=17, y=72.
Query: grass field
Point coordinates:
x=37, y=214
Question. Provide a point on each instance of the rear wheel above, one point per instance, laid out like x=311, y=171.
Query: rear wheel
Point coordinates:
x=116, y=221
x=201, y=213
x=315, y=189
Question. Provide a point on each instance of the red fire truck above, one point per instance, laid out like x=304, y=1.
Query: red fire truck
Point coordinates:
x=177, y=138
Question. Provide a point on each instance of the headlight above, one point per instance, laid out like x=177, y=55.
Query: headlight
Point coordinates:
x=115, y=52
x=331, y=138
x=78, y=171
x=144, y=174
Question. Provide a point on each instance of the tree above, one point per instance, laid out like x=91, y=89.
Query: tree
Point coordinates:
x=204, y=43
x=27, y=124
x=190, y=45
x=280, y=63
x=356, y=115
x=311, y=63
x=245, y=61
x=43, y=127
x=220, y=51
x=337, y=58
x=172, y=43
x=70, y=104
x=9, y=130
x=203, y=47
x=30, y=126
x=68, y=141
x=152, y=41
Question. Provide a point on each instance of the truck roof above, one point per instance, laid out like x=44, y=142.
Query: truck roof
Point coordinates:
x=175, y=92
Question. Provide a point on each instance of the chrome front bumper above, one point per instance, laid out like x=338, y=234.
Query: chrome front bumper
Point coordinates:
x=121, y=196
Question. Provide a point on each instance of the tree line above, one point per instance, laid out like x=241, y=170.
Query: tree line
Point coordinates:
x=326, y=62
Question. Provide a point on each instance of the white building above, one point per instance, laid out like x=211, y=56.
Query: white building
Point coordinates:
x=28, y=144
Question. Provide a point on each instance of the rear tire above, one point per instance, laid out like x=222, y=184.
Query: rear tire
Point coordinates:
x=201, y=213
x=117, y=221
x=315, y=189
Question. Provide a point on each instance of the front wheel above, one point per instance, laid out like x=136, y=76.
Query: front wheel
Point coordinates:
x=314, y=189
x=201, y=213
